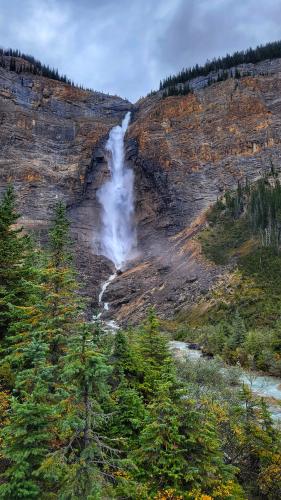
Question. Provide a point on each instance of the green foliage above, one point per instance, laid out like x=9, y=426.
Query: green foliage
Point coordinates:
x=15, y=256
x=91, y=415
x=176, y=90
x=265, y=211
x=160, y=454
x=245, y=225
x=237, y=332
x=245, y=428
x=249, y=211
x=260, y=442
x=152, y=347
x=125, y=358
x=130, y=414
x=27, y=435
x=84, y=452
x=61, y=308
x=35, y=67
x=223, y=65
x=219, y=243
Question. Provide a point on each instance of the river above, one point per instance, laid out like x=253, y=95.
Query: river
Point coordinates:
x=262, y=385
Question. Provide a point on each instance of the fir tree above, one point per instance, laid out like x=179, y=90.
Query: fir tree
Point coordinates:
x=125, y=362
x=129, y=415
x=222, y=64
x=155, y=356
x=28, y=433
x=153, y=345
x=160, y=457
x=238, y=330
x=61, y=306
x=15, y=261
x=86, y=453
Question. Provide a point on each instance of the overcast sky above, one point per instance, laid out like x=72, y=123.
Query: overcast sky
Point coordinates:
x=126, y=46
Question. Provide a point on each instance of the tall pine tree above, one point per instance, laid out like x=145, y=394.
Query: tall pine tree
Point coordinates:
x=15, y=269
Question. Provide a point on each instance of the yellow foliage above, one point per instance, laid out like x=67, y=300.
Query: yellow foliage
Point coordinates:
x=224, y=490
x=121, y=473
x=196, y=494
x=4, y=406
x=168, y=494
x=4, y=402
x=220, y=412
x=239, y=433
x=270, y=477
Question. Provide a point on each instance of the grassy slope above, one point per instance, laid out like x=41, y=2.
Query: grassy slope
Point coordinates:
x=252, y=288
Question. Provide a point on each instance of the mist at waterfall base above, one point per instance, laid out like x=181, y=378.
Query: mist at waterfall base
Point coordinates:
x=116, y=196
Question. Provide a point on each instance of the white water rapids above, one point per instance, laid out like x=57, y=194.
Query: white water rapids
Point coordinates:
x=109, y=325
x=262, y=385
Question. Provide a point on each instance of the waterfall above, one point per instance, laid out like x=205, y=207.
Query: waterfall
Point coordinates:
x=118, y=235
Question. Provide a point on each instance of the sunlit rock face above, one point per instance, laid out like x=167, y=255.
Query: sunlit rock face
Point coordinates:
x=50, y=148
x=184, y=151
x=49, y=131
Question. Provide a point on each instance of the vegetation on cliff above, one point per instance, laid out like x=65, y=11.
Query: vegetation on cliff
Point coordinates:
x=271, y=50
x=242, y=322
x=10, y=59
x=85, y=414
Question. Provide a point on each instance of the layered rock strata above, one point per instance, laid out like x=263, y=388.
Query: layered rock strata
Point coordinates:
x=185, y=152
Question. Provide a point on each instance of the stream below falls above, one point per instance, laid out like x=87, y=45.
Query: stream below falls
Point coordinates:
x=262, y=385
x=109, y=325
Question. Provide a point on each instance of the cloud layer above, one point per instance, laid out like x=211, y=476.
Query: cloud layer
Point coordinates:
x=125, y=47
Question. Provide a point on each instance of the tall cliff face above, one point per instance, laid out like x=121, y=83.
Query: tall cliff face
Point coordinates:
x=185, y=151
x=50, y=140
x=49, y=131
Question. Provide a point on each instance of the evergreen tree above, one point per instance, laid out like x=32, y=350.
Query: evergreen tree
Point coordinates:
x=26, y=438
x=61, y=306
x=15, y=268
x=160, y=457
x=125, y=361
x=154, y=352
x=129, y=415
x=238, y=332
x=153, y=345
x=87, y=453
x=207, y=473
x=92, y=416
x=220, y=65
x=44, y=323
x=258, y=449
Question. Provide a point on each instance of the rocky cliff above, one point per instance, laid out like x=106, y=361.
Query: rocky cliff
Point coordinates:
x=185, y=151
x=50, y=139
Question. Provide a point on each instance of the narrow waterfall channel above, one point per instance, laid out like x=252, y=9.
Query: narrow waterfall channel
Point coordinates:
x=103, y=290
x=116, y=196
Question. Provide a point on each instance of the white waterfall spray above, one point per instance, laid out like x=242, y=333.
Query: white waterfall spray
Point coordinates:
x=118, y=236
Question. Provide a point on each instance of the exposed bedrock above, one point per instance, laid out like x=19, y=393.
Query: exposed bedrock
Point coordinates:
x=185, y=151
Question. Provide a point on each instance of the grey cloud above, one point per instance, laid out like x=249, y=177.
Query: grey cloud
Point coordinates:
x=127, y=46
x=201, y=30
